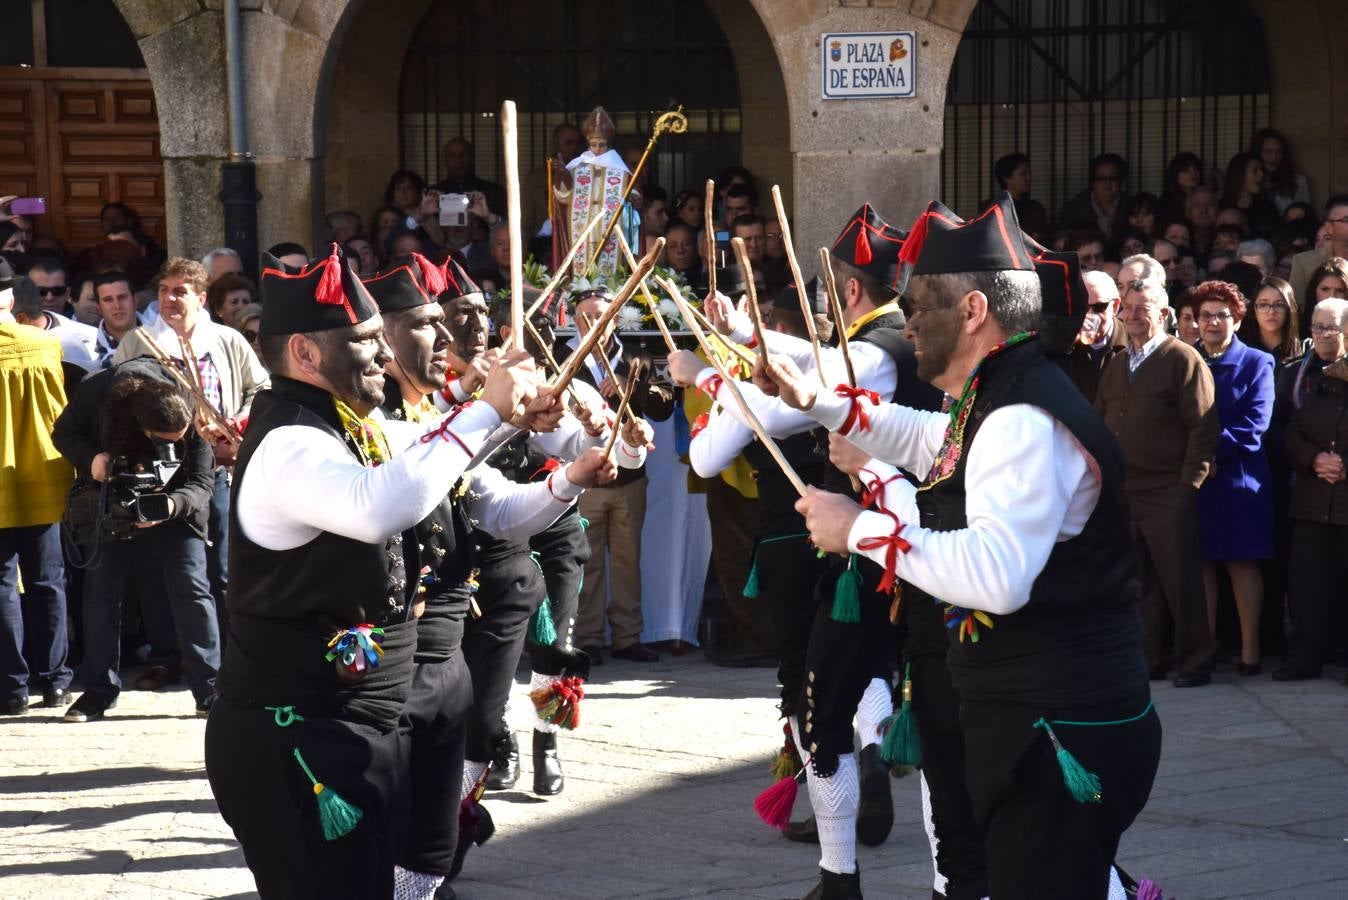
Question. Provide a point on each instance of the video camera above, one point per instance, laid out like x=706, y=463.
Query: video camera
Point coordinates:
x=110, y=511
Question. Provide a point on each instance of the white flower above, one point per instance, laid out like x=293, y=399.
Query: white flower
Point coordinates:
x=629, y=318
x=670, y=311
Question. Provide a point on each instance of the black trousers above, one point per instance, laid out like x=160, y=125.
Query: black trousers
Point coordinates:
x=1316, y=581
x=788, y=570
x=434, y=723
x=959, y=839
x=563, y=550
x=842, y=659
x=509, y=592
x=268, y=801
x=1040, y=842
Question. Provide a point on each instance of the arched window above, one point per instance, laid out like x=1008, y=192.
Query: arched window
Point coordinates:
x=557, y=61
x=1063, y=80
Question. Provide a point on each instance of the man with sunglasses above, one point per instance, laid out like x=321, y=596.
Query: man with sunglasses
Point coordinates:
x=1103, y=204
x=79, y=342
x=1101, y=337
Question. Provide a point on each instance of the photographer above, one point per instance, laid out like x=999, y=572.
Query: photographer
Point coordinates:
x=130, y=429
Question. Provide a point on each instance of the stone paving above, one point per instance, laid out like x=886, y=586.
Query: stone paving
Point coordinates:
x=1251, y=800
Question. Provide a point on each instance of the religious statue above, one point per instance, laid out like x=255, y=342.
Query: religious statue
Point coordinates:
x=595, y=183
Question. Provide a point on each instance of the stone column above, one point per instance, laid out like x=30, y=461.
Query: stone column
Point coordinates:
x=846, y=152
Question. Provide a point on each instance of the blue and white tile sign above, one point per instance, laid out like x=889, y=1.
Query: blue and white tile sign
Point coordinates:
x=869, y=65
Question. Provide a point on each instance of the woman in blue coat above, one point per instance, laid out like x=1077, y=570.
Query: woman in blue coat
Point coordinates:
x=1235, y=504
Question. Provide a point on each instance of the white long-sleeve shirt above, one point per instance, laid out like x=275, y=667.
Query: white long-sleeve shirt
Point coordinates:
x=714, y=448
x=1028, y=485
x=302, y=481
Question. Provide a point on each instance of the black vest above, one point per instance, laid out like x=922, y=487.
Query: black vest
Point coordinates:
x=776, y=496
x=286, y=604
x=445, y=545
x=1077, y=642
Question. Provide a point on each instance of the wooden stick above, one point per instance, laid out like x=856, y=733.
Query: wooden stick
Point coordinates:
x=708, y=213
x=205, y=410
x=751, y=294
x=826, y=269
x=512, y=173
x=549, y=358
x=749, y=417
x=598, y=354
x=731, y=347
x=646, y=294
x=623, y=408
x=806, y=310
x=573, y=361
x=564, y=268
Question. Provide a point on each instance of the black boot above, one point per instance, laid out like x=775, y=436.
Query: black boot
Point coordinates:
x=475, y=827
x=505, y=767
x=875, y=813
x=547, y=767
x=833, y=886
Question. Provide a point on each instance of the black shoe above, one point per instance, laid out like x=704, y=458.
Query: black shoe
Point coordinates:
x=1156, y=674
x=637, y=652
x=15, y=706
x=1292, y=673
x=505, y=768
x=89, y=707
x=833, y=886
x=740, y=659
x=475, y=827
x=157, y=677
x=55, y=698
x=1245, y=670
x=547, y=767
x=1184, y=681
x=595, y=653
x=806, y=832
x=875, y=814
x=204, y=706
x=445, y=891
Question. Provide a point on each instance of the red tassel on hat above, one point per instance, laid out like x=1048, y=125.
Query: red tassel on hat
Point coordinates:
x=774, y=804
x=863, y=252
x=434, y=277
x=912, y=245
x=329, y=289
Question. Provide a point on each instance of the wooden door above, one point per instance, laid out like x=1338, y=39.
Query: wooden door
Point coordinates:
x=81, y=143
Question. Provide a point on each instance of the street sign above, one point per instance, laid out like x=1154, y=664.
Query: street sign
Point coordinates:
x=869, y=65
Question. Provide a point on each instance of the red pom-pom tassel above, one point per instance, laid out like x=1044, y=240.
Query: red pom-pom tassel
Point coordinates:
x=329, y=288
x=432, y=274
x=774, y=804
x=912, y=245
x=863, y=250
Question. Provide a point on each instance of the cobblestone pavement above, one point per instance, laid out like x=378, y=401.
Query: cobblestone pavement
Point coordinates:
x=1251, y=800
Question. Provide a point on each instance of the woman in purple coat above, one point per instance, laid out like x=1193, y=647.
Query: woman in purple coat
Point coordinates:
x=1235, y=504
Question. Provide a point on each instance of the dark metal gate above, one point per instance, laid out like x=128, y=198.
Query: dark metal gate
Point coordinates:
x=560, y=59
x=1063, y=80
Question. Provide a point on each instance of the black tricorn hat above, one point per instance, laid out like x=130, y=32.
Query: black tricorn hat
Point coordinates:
x=323, y=295
x=457, y=282
x=872, y=245
x=941, y=243
x=408, y=281
x=1061, y=287
x=815, y=293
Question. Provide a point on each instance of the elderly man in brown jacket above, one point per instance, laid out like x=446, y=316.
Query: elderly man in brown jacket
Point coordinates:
x=1157, y=398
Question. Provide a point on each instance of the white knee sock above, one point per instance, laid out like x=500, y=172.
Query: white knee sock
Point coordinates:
x=409, y=885
x=537, y=682
x=835, y=801
x=874, y=708
x=472, y=771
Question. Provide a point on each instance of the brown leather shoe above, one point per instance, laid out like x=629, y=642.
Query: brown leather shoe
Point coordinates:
x=156, y=677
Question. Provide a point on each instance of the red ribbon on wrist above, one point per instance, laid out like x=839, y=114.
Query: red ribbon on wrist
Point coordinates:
x=856, y=413
x=894, y=544
x=874, y=491
x=698, y=426
x=710, y=386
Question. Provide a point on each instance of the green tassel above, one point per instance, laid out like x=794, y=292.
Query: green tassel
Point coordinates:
x=750, y=591
x=847, y=594
x=584, y=522
x=542, y=630
x=902, y=746
x=338, y=817
x=1082, y=785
